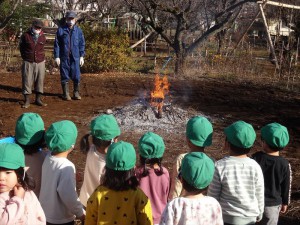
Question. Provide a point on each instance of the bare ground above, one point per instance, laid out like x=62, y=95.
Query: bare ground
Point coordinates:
x=225, y=100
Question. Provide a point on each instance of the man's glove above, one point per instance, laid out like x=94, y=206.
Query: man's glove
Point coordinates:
x=81, y=61
x=57, y=61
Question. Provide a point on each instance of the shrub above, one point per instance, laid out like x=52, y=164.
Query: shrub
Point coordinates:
x=106, y=50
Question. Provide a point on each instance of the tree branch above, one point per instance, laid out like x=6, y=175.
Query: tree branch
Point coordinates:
x=216, y=28
x=8, y=18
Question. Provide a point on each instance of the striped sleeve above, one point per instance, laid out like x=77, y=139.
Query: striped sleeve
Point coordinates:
x=260, y=192
x=214, y=189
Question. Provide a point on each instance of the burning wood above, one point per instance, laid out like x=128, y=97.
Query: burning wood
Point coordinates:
x=159, y=111
x=161, y=88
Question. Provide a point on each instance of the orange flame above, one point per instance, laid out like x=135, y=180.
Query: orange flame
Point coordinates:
x=161, y=88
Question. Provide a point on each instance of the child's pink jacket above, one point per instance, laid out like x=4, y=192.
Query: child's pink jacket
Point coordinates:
x=17, y=211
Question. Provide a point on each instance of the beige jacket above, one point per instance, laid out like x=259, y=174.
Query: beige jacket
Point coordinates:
x=176, y=186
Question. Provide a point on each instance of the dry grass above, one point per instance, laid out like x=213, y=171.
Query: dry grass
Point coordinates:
x=244, y=67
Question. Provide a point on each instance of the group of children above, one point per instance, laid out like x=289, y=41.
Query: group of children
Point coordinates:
x=38, y=183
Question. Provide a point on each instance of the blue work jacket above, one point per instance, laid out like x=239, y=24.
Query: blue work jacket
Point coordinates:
x=69, y=43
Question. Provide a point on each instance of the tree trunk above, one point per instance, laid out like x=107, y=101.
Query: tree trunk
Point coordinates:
x=221, y=38
x=180, y=63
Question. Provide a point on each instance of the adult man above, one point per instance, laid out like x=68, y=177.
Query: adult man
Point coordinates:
x=32, y=51
x=69, y=50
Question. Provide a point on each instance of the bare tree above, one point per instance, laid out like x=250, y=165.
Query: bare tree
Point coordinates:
x=16, y=14
x=92, y=10
x=192, y=21
x=5, y=19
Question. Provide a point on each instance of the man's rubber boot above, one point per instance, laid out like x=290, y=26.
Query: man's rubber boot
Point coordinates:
x=66, y=94
x=26, y=102
x=38, y=100
x=76, y=94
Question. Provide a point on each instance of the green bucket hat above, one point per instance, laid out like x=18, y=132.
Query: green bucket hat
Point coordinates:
x=121, y=156
x=11, y=156
x=240, y=134
x=61, y=135
x=275, y=135
x=151, y=146
x=29, y=129
x=199, y=131
x=197, y=169
x=105, y=127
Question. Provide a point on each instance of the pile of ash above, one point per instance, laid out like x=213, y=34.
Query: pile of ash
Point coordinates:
x=139, y=116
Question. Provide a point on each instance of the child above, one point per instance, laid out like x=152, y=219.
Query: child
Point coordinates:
x=104, y=131
x=118, y=200
x=153, y=177
x=238, y=182
x=18, y=204
x=276, y=170
x=29, y=134
x=196, y=172
x=58, y=194
x=198, y=135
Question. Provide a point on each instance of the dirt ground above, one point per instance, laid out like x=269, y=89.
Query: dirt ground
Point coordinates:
x=228, y=100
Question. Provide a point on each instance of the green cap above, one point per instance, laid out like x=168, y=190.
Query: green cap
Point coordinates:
x=121, y=156
x=29, y=129
x=11, y=156
x=105, y=127
x=151, y=146
x=61, y=135
x=197, y=169
x=240, y=134
x=199, y=131
x=275, y=135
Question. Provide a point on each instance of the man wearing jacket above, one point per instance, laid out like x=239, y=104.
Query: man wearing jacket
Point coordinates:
x=69, y=50
x=32, y=51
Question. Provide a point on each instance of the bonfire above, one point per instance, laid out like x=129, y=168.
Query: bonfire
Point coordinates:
x=157, y=96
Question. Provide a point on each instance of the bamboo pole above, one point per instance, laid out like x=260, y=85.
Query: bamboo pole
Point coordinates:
x=245, y=31
x=282, y=5
x=268, y=35
x=140, y=41
x=242, y=36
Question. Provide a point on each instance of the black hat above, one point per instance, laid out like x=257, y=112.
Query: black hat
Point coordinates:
x=37, y=23
x=71, y=14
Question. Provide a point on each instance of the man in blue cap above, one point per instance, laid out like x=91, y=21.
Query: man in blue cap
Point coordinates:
x=69, y=50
